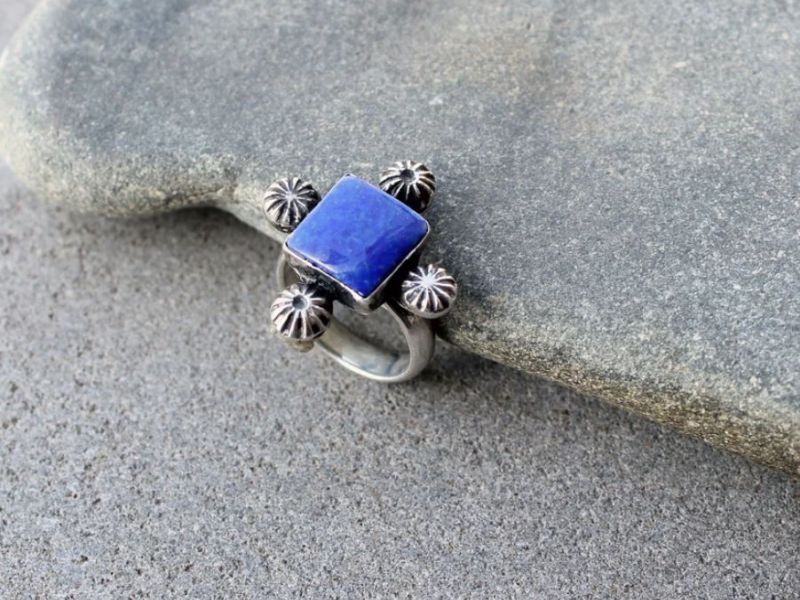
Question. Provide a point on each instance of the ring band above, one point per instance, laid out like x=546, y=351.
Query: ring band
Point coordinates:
x=360, y=246
x=365, y=358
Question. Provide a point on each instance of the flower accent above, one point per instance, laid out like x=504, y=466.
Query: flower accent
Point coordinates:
x=288, y=201
x=301, y=313
x=429, y=291
x=411, y=182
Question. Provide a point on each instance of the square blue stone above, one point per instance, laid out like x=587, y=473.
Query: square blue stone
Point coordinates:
x=358, y=235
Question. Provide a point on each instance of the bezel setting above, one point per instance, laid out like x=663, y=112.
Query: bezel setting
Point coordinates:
x=361, y=246
x=315, y=257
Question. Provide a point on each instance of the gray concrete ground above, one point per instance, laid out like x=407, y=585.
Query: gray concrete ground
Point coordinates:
x=155, y=441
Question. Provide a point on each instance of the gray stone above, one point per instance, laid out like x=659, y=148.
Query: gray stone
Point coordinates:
x=147, y=453
x=618, y=182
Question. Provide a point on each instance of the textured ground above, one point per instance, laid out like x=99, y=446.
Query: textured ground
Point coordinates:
x=156, y=442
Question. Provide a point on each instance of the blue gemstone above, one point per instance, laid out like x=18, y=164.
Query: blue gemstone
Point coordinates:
x=358, y=235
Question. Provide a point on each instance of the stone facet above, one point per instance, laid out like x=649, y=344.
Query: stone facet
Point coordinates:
x=358, y=235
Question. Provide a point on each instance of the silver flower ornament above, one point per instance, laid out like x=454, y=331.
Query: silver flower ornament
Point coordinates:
x=411, y=182
x=288, y=201
x=301, y=313
x=428, y=291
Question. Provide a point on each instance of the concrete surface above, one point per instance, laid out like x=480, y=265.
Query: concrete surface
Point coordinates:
x=618, y=180
x=156, y=442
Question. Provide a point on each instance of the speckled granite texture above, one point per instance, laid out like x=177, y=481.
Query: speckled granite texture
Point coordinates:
x=154, y=443
x=618, y=180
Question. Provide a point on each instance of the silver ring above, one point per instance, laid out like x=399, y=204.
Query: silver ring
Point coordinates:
x=367, y=359
x=360, y=246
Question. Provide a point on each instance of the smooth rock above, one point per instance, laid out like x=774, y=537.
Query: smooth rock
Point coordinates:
x=617, y=182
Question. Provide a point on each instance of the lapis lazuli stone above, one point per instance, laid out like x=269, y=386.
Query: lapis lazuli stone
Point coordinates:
x=358, y=235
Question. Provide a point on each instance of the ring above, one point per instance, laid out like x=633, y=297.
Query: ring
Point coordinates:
x=360, y=246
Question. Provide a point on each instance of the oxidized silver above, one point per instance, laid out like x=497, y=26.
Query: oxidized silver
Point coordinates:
x=288, y=201
x=301, y=313
x=415, y=296
x=411, y=182
x=428, y=291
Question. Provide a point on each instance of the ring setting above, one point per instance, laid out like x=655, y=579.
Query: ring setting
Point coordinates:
x=360, y=246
